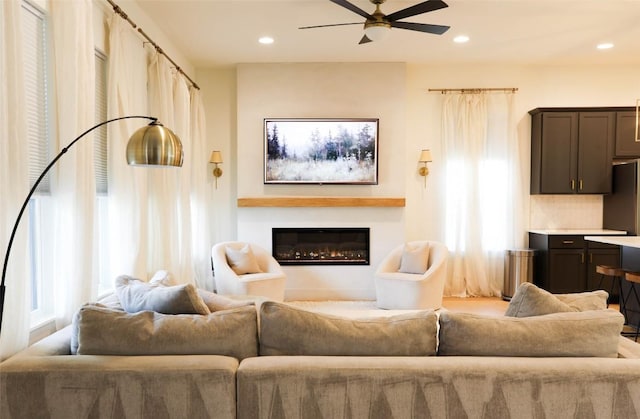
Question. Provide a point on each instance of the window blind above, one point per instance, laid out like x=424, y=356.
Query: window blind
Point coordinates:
x=35, y=74
x=100, y=136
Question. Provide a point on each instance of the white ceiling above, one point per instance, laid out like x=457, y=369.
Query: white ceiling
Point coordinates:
x=225, y=32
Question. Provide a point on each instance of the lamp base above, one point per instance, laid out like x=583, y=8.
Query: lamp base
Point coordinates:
x=423, y=171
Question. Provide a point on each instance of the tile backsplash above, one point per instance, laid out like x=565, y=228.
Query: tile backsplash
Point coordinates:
x=565, y=212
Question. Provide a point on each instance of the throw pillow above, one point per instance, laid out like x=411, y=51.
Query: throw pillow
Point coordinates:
x=136, y=295
x=529, y=300
x=109, y=332
x=162, y=278
x=242, y=260
x=575, y=334
x=584, y=301
x=415, y=259
x=285, y=330
x=217, y=302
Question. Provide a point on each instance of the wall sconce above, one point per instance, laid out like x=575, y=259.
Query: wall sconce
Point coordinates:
x=425, y=157
x=216, y=158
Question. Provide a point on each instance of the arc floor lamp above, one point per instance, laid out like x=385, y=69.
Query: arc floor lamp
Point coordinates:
x=152, y=145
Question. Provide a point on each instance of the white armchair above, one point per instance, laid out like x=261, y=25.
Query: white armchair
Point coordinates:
x=411, y=289
x=247, y=269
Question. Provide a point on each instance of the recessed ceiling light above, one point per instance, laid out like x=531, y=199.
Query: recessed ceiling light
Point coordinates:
x=461, y=39
x=605, y=45
x=266, y=40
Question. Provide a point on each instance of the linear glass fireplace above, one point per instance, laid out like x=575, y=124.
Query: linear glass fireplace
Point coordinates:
x=321, y=246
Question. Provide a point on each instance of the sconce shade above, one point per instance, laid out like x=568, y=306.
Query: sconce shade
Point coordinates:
x=425, y=156
x=216, y=157
x=154, y=145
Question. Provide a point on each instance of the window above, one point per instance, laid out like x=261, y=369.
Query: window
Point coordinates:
x=36, y=102
x=105, y=283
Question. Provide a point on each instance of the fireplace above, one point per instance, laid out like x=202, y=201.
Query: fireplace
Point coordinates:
x=320, y=246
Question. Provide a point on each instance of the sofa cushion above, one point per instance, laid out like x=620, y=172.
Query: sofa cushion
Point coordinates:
x=529, y=300
x=217, y=302
x=102, y=331
x=136, y=295
x=575, y=334
x=414, y=259
x=242, y=260
x=285, y=330
x=584, y=301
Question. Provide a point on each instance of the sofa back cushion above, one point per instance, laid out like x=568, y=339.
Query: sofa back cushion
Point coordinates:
x=102, y=331
x=286, y=330
x=571, y=334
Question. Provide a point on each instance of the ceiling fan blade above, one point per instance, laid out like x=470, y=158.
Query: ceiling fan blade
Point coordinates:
x=326, y=26
x=364, y=40
x=421, y=27
x=353, y=8
x=424, y=7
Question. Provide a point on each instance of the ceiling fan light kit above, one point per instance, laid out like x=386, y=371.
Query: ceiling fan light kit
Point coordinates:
x=377, y=24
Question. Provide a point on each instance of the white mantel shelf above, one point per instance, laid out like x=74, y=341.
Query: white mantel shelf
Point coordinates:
x=321, y=201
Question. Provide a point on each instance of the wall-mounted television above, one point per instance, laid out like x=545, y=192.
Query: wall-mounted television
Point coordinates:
x=321, y=151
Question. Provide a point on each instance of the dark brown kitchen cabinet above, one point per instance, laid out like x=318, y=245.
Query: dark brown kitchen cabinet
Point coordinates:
x=571, y=151
x=626, y=144
x=567, y=263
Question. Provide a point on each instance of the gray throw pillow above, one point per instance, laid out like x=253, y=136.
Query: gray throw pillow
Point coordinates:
x=575, y=334
x=285, y=330
x=217, y=302
x=102, y=331
x=529, y=300
x=136, y=295
x=584, y=301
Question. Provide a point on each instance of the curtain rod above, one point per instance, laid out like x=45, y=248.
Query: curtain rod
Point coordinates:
x=477, y=90
x=159, y=50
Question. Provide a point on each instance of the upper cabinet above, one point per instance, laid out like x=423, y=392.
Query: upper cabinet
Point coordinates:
x=626, y=144
x=571, y=151
x=572, y=148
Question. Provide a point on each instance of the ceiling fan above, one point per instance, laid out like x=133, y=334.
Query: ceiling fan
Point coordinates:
x=377, y=23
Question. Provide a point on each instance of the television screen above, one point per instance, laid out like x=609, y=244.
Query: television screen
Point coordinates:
x=321, y=151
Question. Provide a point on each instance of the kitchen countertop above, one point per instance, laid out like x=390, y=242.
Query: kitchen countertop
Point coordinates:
x=580, y=232
x=629, y=241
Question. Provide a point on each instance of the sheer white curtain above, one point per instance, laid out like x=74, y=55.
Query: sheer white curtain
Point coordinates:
x=14, y=183
x=483, y=202
x=74, y=189
x=201, y=226
x=168, y=190
x=127, y=95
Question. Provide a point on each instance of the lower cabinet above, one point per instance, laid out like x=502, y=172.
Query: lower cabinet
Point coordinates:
x=567, y=263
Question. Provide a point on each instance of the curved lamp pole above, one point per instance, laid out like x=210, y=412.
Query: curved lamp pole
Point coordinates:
x=152, y=145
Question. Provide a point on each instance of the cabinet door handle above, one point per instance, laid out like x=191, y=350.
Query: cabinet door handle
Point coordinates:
x=582, y=258
x=591, y=258
x=567, y=241
x=573, y=185
x=580, y=183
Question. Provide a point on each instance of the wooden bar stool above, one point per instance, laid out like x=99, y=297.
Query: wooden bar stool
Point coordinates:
x=616, y=275
x=634, y=279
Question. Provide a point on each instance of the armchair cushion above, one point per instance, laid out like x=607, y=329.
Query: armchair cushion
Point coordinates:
x=242, y=260
x=136, y=295
x=415, y=258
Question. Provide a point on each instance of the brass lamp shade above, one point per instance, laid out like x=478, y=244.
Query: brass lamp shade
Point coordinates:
x=154, y=145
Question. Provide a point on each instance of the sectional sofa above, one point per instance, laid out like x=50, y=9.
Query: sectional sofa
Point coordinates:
x=548, y=357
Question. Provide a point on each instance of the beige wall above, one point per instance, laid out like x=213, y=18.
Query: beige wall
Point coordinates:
x=409, y=121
